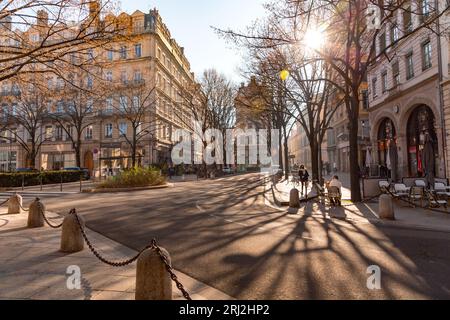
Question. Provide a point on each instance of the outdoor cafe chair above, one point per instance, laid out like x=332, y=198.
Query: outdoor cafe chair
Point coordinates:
x=434, y=202
x=441, y=190
x=401, y=190
x=384, y=186
x=417, y=194
x=420, y=184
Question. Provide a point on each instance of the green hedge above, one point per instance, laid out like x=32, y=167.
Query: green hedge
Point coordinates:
x=10, y=180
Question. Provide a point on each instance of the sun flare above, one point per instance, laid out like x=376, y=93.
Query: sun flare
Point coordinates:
x=314, y=39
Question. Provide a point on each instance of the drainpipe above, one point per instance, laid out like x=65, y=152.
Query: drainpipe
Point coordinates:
x=441, y=92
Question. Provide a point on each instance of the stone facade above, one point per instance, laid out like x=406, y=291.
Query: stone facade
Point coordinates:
x=404, y=98
x=149, y=58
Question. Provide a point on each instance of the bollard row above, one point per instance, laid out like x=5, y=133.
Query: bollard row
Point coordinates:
x=154, y=271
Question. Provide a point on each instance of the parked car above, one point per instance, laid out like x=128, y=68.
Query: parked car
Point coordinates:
x=227, y=170
x=86, y=173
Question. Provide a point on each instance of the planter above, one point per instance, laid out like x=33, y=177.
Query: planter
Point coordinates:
x=115, y=190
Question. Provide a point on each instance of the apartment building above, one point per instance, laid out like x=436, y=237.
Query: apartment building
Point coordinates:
x=145, y=60
x=337, y=137
x=405, y=95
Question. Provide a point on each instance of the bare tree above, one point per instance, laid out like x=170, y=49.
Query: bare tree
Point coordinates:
x=74, y=112
x=44, y=36
x=210, y=104
x=22, y=122
x=353, y=26
x=135, y=105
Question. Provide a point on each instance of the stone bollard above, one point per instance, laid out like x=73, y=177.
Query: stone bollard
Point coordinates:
x=294, y=198
x=71, y=237
x=294, y=201
x=15, y=204
x=386, y=207
x=153, y=281
x=35, y=217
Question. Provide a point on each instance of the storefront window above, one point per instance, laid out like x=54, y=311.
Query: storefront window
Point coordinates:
x=420, y=124
x=8, y=161
x=386, y=132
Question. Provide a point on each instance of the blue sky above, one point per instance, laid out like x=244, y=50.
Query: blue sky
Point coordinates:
x=189, y=23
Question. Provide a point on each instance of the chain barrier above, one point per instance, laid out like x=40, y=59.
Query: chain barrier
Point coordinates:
x=4, y=202
x=24, y=209
x=429, y=208
x=153, y=245
x=41, y=210
x=169, y=269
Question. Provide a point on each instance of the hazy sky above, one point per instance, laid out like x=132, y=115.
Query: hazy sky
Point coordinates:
x=189, y=23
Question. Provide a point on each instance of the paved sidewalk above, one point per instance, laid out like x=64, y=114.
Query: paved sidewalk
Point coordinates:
x=282, y=190
x=31, y=267
x=406, y=216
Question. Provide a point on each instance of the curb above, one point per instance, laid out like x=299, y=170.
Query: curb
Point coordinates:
x=115, y=190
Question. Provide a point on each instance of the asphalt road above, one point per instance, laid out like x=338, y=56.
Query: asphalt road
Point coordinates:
x=222, y=233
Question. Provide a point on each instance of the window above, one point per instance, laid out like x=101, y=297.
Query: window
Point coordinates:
x=48, y=132
x=59, y=133
x=374, y=88
x=138, y=50
x=108, y=130
x=60, y=107
x=123, y=128
x=109, y=76
x=137, y=76
x=90, y=82
x=365, y=99
x=90, y=106
x=123, y=52
x=407, y=20
x=426, y=55
x=396, y=73
x=382, y=42
x=90, y=54
x=110, y=55
x=425, y=9
x=109, y=105
x=409, y=66
x=59, y=83
x=394, y=33
x=89, y=133
x=384, y=81
x=136, y=103
x=123, y=103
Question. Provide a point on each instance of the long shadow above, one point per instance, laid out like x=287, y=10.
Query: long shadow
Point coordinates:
x=238, y=245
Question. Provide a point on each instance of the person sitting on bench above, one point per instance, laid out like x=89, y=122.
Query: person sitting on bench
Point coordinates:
x=335, y=184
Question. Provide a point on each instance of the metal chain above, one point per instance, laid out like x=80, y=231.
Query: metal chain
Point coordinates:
x=153, y=246
x=414, y=204
x=24, y=209
x=41, y=210
x=4, y=202
x=169, y=269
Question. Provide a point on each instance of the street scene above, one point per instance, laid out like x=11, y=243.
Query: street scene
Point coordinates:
x=288, y=150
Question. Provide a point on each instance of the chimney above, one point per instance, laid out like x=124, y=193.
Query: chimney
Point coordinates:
x=42, y=18
x=94, y=10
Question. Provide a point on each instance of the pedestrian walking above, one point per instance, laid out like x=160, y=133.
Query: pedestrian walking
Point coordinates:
x=303, y=176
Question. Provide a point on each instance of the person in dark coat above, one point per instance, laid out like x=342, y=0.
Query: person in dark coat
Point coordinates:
x=303, y=176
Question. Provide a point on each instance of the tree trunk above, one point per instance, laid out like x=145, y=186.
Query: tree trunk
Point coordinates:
x=314, y=160
x=353, y=140
x=280, y=151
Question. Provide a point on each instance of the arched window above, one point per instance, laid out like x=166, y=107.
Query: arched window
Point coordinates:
x=386, y=132
x=420, y=123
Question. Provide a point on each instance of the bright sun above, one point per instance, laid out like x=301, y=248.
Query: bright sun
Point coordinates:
x=314, y=39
